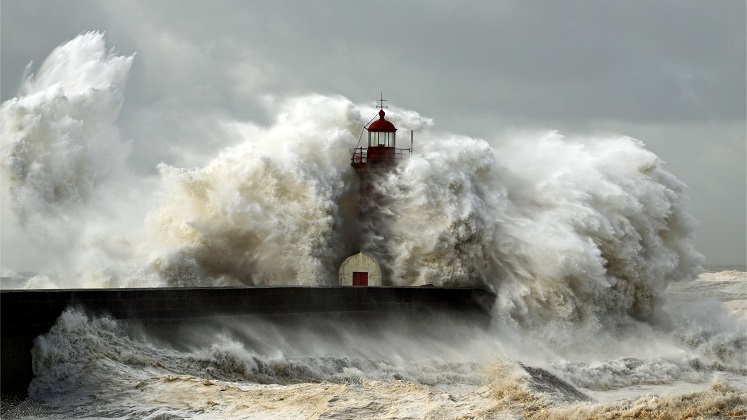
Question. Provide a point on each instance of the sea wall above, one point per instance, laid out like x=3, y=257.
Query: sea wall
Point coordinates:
x=29, y=313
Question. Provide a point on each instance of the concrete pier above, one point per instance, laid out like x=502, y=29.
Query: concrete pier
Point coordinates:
x=25, y=314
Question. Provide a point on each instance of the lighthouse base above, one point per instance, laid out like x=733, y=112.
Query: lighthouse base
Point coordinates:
x=360, y=270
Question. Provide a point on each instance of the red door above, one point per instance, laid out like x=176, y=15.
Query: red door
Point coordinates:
x=360, y=279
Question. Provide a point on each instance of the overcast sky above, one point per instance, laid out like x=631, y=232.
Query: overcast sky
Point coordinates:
x=670, y=73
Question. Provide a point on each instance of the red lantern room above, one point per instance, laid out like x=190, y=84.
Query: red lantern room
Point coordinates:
x=381, y=152
x=381, y=141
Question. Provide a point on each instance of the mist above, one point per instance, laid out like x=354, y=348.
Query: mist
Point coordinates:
x=547, y=221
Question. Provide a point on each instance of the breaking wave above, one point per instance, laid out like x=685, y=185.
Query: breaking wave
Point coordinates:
x=579, y=237
x=276, y=209
x=234, y=368
x=569, y=230
x=60, y=140
x=80, y=352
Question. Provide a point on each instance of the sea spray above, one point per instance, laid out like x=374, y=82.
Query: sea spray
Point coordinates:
x=579, y=237
x=276, y=209
x=67, y=190
x=60, y=140
x=602, y=222
x=565, y=230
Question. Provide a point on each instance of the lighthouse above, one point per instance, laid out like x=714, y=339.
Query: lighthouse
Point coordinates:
x=377, y=158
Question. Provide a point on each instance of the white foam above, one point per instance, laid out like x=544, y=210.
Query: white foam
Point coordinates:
x=564, y=229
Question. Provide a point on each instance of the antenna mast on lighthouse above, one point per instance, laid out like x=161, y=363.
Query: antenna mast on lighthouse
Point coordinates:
x=381, y=102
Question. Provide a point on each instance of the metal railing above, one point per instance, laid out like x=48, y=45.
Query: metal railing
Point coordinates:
x=376, y=155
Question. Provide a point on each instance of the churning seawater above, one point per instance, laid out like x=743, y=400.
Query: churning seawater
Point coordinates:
x=587, y=243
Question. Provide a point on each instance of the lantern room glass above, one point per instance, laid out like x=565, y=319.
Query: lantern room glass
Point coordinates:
x=381, y=139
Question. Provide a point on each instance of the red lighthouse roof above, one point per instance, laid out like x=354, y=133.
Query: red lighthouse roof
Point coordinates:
x=382, y=125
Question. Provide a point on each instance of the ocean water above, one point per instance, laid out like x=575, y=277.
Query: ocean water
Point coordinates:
x=603, y=308
x=435, y=368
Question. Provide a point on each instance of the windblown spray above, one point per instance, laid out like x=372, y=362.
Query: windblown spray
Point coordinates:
x=551, y=223
x=579, y=238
